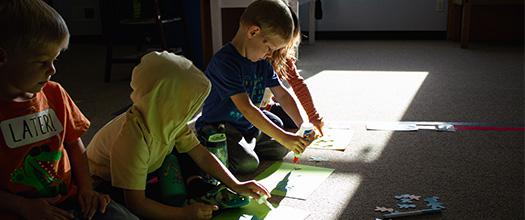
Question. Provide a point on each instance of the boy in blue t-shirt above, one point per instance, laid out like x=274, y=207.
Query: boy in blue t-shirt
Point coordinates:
x=239, y=74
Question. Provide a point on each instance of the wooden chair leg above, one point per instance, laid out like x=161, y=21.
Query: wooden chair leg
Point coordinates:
x=160, y=27
x=109, y=60
x=465, y=23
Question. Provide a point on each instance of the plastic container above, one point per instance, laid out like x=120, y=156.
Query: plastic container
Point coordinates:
x=305, y=130
x=217, y=144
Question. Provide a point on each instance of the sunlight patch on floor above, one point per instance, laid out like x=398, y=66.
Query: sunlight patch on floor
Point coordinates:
x=343, y=194
x=357, y=97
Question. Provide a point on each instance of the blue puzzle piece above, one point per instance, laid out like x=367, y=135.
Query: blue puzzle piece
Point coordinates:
x=403, y=196
x=433, y=203
x=406, y=200
x=406, y=206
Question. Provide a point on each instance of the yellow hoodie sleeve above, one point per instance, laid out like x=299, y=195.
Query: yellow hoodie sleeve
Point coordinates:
x=129, y=158
x=186, y=140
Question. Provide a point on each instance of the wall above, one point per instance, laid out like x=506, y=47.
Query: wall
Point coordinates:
x=379, y=15
x=82, y=16
x=338, y=15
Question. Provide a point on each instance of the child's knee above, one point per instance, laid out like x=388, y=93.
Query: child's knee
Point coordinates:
x=277, y=153
x=271, y=150
x=245, y=165
x=115, y=210
x=281, y=152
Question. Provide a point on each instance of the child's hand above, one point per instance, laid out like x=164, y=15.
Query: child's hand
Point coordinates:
x=42, y=209
x=294, y=142
x=199, y=211
x=251, y=188
x=90, y=201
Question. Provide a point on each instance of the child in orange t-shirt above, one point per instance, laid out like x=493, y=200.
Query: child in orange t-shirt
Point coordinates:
x=43, y=167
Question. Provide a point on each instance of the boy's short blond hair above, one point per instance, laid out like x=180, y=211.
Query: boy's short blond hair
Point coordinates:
x=272, y=16
x=29, y=24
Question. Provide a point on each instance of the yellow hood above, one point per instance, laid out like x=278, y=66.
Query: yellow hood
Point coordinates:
x=167, y=92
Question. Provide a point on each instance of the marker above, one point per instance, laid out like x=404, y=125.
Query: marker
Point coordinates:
x=153, y=180
x=411, y=213
x=264, y=199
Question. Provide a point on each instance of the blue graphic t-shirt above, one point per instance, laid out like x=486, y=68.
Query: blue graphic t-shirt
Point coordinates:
x=230, y=74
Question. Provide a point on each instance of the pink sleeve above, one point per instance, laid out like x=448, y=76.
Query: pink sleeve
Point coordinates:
x=300, y=89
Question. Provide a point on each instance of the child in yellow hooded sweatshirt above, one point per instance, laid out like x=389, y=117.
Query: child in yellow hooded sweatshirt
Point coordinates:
x=147, y=142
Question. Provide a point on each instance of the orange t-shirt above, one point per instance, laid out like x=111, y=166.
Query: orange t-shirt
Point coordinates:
x=33, y=160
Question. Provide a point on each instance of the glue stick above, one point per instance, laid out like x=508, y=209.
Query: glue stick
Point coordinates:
x=305, y=130
x=264, y=199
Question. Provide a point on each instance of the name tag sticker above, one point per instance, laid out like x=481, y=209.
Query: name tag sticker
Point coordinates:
x=31, y=128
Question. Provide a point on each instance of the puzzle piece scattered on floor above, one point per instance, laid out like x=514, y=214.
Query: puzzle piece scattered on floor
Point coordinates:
x=406, y=200
x=433, y=202
x=407, y=196
x=406, y=206
x=383, y=209
x=414, y=197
